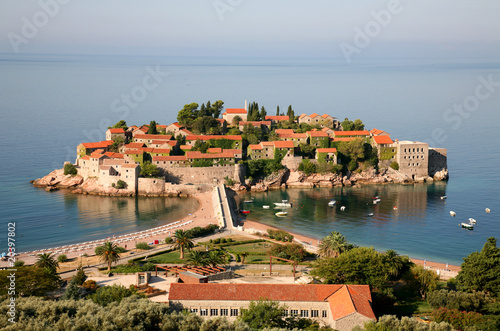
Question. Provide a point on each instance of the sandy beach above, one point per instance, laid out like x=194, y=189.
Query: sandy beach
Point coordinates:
x=201, y=217
x=445, y=271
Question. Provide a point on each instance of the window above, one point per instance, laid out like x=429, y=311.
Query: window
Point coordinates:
x=314, y=313
x=284, y=313
x=304, y=313
x=294, y=312
x=224, y=312
x=214, y=312
x=194, y=310
x=234, y=311
x=324, y=313
x=204, y=312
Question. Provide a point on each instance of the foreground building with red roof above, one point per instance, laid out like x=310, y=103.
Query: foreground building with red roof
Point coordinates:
x=340, y=307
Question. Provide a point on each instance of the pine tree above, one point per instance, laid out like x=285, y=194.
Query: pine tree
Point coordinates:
x=278, y=111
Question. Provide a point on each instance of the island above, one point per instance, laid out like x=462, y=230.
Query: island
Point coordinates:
x=246, y=149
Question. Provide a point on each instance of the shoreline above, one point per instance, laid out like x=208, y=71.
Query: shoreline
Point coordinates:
x=445, y=271
x=203, y=216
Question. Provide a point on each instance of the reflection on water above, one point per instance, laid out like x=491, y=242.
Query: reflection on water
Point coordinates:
x=76, y=218
x=412, y=219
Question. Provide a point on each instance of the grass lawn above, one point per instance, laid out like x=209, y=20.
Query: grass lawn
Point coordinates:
x=252, y=248
x=172, y=257
x=411, y=307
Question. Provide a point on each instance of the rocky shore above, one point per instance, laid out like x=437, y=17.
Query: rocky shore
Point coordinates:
x=297, y=179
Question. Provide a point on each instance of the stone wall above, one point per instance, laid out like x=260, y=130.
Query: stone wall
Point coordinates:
x=151, y=186
x=220, y=276
x=203, y=175
x=292, y=163
x=437, y=160
x=350, y=321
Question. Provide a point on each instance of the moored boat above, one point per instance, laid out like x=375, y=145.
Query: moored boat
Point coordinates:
x=332, y=203
x=472, y=221
x=265, y=207
x=452, y=213
x=281, y=213
x=467, y=226
x=245, y=211
x=444, y=197
x=283, y=204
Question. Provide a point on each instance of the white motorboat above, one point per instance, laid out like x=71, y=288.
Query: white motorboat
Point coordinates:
x=467, y=226
x=452, y=213
x=332, y=203
x=488, y=210
x=342, y=208
x=370, y=214
x=472, y=221
x=281, y=213
x=265, y=207
x=283, y=204
x=444, y=197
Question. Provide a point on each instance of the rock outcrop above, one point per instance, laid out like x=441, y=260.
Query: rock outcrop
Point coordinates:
x=57, y=179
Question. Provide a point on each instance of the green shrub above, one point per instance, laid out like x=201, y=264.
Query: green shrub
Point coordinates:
x=18, y=263
x=395, y=165
x=353, y=164
x=238, y=258
x=148, y=267
x=142, y=245
x=290, y=251
x=223, y=240
x=107, y=294
x=169, y=240
x=70, y=169
x=307, y=167
x=229, y=240
x=62, y=258
x=80, y=277
x=280, y=235
x=120, y=184
x=216, y=241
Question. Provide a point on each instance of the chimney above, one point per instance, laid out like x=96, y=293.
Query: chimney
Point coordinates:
x=246, y=105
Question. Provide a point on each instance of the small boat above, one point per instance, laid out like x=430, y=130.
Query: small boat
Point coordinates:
x=281, y=214
x=283, y=204
x=444, y=197
x=248, y=201
x=342, y=208
x=452, y=213
x=376, y=202
x=245, y=211
x=488, y=210
x=370, y=214
x=472, y=221
x=265, y=207
x=332, y=203
x=395, y=207
x=467, y=226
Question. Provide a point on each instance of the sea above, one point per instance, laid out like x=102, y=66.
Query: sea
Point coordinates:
x=50, y=103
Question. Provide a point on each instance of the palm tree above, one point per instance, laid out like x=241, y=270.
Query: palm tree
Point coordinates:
x=47, y=261
x=394, y=262
x=333, y=245
x=182, y=240
x=216, y=257
x=243, y=255
x=109, y=253
x=197, y=258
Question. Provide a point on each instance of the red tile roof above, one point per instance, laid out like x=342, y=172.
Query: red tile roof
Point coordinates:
x=267, y=143
x=114, y=155
x=119, y=130
x=85, y=157
x=292, y=135
x=134, y=145
x=232, y=150
x=176, y=124
x=235, y=111
x=317, y=134
x=214, y=150
x=255, y=147
x=153, y=136
x=382, y=140
x=342, y=299
x=344, y=138
x=100, y=144
x=326, y=150
x=200, y=155
x=161, y=150
x=325, y=115
x=170, y=158
x=159, y=142
x=187, y=132
x=208, y=137
x=376, y=132
x=277, y=118
x=352, y=133
x=313, y=115
x=183, y=147
x=287, y=131
x=302, y=115
x=283, y=144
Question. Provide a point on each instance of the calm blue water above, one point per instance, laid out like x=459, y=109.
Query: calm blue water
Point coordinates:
x=51, y=103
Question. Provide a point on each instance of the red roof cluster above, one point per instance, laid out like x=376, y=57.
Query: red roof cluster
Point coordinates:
x=100, y=144
x=235, y=111
x=153, y=136
x=381, y=140
x=326, y=150
x=317, y=134
x=352, y=133
x=208, y=137
x=277, y=118
x=119, y=130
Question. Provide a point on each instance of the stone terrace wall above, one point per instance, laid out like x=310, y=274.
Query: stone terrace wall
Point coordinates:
x=154, y=186
x=437, y=160
x=202, y=175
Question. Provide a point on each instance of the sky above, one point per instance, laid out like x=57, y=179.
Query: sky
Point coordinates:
x=252, y=28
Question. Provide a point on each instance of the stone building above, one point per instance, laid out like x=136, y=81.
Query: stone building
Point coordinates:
x=231, y=113
x=340, y=307
x=328, y=154
x=112, y=134
x=88, y=148
x=266, y=149
x=437, y=160
x=413, y=158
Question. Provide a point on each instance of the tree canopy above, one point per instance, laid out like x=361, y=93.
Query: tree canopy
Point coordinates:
x=109, y=253
x=149, y=170
x=480, y=270
x=348, y=125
